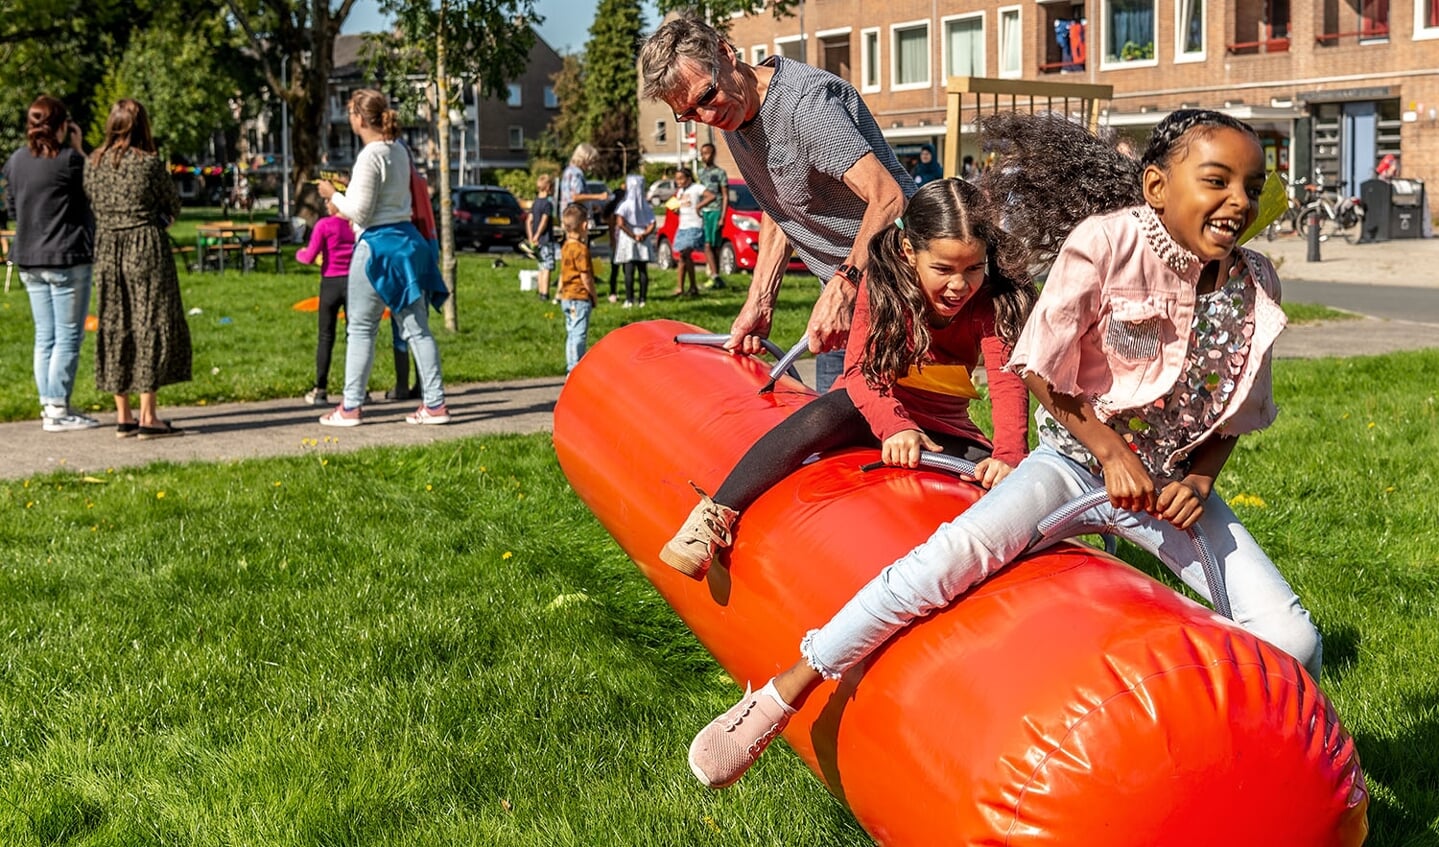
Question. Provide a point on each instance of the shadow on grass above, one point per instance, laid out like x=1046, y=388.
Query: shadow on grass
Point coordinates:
x=1406, y=765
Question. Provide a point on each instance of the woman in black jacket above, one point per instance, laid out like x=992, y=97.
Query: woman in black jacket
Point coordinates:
x=53, y=248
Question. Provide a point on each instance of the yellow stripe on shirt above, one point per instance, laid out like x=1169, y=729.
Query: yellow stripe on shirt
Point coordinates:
x=952, y=380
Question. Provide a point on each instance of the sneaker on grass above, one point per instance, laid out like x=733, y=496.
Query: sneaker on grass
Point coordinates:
x=726, y=748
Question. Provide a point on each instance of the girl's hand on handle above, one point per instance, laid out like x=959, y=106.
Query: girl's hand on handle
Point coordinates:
x=902, y=449
x=1128, y=484
x=1181, y=504
x=990, y=471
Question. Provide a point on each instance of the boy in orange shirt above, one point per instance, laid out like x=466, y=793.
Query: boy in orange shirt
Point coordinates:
x=577, y=283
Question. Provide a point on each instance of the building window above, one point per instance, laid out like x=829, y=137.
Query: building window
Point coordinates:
x=963, y=45
x=1189, y=31
x=760, y=53
x=515, y=99
x=739, y=54
x=661, y=132
x=552, y=101
x=832, y=46
x=1261, y=28
x=1426, y=19
x=1011, y=47
x=1373, y=20
x=1129, y=30
x=791, y=47
x=869, y=60
x=1344, y=20
x=909, y=67
x=517, y=138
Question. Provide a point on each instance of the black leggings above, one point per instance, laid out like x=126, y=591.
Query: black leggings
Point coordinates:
x=644, y=270
x=333, y=290
x=828, y=422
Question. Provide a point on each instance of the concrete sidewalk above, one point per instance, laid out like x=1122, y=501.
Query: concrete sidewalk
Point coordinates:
x=234, y=431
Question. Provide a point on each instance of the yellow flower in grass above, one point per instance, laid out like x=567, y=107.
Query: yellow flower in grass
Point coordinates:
x=507, y=555
x=159, y=495
x=1249, y=500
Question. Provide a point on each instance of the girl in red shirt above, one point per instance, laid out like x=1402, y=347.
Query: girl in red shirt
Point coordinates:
x=946, y=285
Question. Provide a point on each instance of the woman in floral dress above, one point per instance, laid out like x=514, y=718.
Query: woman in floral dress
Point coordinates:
x=144, y=341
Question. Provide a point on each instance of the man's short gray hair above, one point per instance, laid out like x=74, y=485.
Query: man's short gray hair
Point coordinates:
x=684, y=37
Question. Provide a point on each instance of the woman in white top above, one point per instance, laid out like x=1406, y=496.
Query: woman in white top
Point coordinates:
x=634, y=223
x=392, y=264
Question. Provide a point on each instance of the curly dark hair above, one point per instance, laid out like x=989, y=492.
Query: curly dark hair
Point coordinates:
x=899, y=330
x=1051, y=173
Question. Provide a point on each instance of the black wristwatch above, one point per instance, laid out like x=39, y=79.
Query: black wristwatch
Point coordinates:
x=849, y=272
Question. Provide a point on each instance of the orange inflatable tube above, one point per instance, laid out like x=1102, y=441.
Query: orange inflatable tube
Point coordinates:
x=1068, y=700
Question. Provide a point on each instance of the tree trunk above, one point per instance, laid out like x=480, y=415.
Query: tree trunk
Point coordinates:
x=446, y=222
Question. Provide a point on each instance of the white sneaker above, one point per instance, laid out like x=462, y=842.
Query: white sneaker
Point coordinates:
x=426, y=415
x=69, y=422
x=629, y=305
x=340, y=416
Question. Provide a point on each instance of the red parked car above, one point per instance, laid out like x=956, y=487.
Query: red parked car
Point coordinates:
x=739, y=236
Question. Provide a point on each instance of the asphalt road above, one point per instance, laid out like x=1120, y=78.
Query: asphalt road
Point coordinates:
x=1389, y=302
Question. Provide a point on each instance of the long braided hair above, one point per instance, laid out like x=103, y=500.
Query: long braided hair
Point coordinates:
x=899, y=328
x=1051, y=173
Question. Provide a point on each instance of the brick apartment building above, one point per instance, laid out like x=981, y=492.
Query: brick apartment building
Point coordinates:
x=502, y=126
x=1331, y=85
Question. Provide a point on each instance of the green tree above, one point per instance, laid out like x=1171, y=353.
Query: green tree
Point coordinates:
x=611, y=118
x=50, y=47
x=485, y=41
x=292, y=43
x=159, y=68
x=719, y=12
x=568, y=126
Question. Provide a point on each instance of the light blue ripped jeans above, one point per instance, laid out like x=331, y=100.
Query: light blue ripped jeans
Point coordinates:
x=363, y=310
x=59, y=301
x=998, y=528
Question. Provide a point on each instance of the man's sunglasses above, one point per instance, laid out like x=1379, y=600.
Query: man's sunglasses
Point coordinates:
x=692, y=113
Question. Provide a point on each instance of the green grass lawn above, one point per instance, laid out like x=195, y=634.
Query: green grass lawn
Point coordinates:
x=441, y=646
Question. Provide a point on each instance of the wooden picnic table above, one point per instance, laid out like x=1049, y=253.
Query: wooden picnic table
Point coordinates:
x=223, y=237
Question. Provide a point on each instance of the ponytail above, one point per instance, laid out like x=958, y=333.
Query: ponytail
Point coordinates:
x=375, y=112
x=898, y=331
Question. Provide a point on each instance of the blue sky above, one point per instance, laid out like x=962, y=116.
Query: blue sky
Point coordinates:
x=566, y=27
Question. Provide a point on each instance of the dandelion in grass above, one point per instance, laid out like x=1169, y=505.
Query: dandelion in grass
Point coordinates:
x=277, y=483
x=1371, y=425
x=159, y=495
x=1252, y=500
x=507, y=555
x=429, y=487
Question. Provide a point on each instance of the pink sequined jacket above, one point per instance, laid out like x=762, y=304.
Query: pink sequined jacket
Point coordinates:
x=1112, y=323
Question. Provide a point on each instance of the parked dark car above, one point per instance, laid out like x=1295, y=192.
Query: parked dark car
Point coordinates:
x=487, y=216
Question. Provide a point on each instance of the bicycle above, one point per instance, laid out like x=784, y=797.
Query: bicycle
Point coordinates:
x=1288, y=223
x=1334, y=213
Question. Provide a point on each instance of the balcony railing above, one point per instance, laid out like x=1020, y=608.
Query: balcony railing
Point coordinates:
x=1331, y=39
x=1060, y=67
x=1268, y=45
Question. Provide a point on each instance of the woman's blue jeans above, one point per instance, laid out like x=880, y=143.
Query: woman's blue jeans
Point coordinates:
x=363, y=311
x=1004, y=522
x=59, y=302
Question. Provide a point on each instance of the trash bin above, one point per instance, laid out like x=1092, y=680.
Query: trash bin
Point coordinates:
x=1406, y=205
x=1393, y=209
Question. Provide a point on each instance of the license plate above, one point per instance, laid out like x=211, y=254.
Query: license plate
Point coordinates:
x=497, y=221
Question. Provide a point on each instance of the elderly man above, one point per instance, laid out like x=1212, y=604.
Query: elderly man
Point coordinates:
x=813, y=157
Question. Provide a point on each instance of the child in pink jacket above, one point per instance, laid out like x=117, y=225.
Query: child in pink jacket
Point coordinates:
x=333, y=239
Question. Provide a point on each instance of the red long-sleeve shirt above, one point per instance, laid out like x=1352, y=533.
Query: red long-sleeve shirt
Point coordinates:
x=935, y=398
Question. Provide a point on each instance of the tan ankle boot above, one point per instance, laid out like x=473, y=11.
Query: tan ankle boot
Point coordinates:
x=706, y=530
